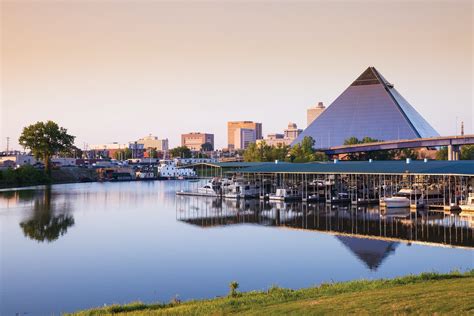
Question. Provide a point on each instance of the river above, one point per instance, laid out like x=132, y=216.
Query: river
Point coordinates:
x=75, y=246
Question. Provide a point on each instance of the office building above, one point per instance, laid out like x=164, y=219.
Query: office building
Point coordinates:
x=154, y=143
x=194, y=141
x=233, y=126
x=292, y=131
x=290, y=134
x=243, y=137
x=314, y=112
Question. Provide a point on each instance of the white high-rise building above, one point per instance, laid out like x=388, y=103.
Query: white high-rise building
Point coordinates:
x=243, y=137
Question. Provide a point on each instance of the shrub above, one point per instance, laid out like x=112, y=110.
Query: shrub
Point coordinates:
x=233, y=286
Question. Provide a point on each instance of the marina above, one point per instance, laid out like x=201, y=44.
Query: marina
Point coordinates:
x=409, y=184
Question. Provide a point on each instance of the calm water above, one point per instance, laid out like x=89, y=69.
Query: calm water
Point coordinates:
x=78, y=246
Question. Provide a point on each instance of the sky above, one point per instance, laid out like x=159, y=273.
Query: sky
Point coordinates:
x=115, y=71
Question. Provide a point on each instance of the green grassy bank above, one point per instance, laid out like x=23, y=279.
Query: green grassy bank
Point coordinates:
x=428, y=293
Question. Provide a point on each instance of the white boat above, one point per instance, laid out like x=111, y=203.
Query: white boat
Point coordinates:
x=403, y=199
x=285, y=195
x=239, y=189
x=469, y=205
x=208, y=189
x=169, y=170
x=395, y=202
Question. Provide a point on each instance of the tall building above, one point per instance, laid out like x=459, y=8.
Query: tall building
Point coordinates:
x=233, y=126
x=243, y=137
x=292, y=131
x=290, y=134
x=370, y=107
x=275, y=140
x=314, y=112
x=194, y=141
x=154, y=142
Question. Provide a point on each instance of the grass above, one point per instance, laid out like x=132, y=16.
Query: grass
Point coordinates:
x=427, y=293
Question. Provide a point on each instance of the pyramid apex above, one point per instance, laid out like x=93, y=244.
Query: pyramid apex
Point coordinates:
x=368, y=77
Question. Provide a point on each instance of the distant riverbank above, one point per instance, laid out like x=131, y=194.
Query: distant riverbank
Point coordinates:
x=427, y=293
x=29, y=176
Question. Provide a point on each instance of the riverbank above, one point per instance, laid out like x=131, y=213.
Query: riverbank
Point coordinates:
x=427, y=293
x=26, y=176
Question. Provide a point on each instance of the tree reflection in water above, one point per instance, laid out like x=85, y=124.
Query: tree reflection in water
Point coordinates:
x=47, y=223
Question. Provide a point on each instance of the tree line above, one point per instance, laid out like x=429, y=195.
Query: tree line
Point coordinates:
x=305, y=152
x=302, y=152
x=48, y=139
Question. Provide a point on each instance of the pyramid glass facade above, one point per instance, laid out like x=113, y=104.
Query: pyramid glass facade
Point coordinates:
x=371, y=107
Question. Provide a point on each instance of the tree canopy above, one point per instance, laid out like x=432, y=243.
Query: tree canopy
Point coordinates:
x=467, y=153
x=376, y=155
x=45, y=140
x=302, y=152
x=123, y=154
x=181, y=152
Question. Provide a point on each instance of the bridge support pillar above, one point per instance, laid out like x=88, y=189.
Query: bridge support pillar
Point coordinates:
x=457, y=153
x=453, y=152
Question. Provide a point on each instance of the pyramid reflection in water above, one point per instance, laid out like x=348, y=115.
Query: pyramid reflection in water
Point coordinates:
x=370, y=235
x=370, y=251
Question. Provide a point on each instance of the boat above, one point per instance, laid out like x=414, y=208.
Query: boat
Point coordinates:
x=403, y=198
x=285, y=195
x=240, y=189
x=209, y=189
x=168, y=169
x=469, y=205
x=341, y=197
x=395, y=202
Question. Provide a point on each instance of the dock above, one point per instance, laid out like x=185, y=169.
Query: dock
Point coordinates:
x=439, y=185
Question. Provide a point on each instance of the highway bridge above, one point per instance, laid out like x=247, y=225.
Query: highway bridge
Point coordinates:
x=452, y=142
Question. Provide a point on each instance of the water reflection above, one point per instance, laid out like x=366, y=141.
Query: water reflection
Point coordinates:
x=371, y=252
x=371, y=234
x=48, y=221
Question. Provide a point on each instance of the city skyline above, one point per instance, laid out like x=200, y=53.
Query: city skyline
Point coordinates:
x=181, y=73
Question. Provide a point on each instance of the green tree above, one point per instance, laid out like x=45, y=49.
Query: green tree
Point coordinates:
x=233, y=286
x=376, y=155
x=72, y=152
x=152, y=153
x=262, y=152
x=123, y=154
x=279, y=152
x=181, y=152
x=467, y=152
x=252, y=153
x=352, y=141
x=442, y=154
x=407, y=153
x=304, y=152
x=45, y=140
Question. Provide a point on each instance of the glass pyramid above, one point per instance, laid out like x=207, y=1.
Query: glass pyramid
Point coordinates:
x=371, y=107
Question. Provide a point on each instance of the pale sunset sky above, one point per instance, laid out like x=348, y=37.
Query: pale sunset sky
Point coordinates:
x=119, y=70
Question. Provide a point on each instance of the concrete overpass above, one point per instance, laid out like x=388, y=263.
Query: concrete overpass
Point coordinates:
x=452, y=142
